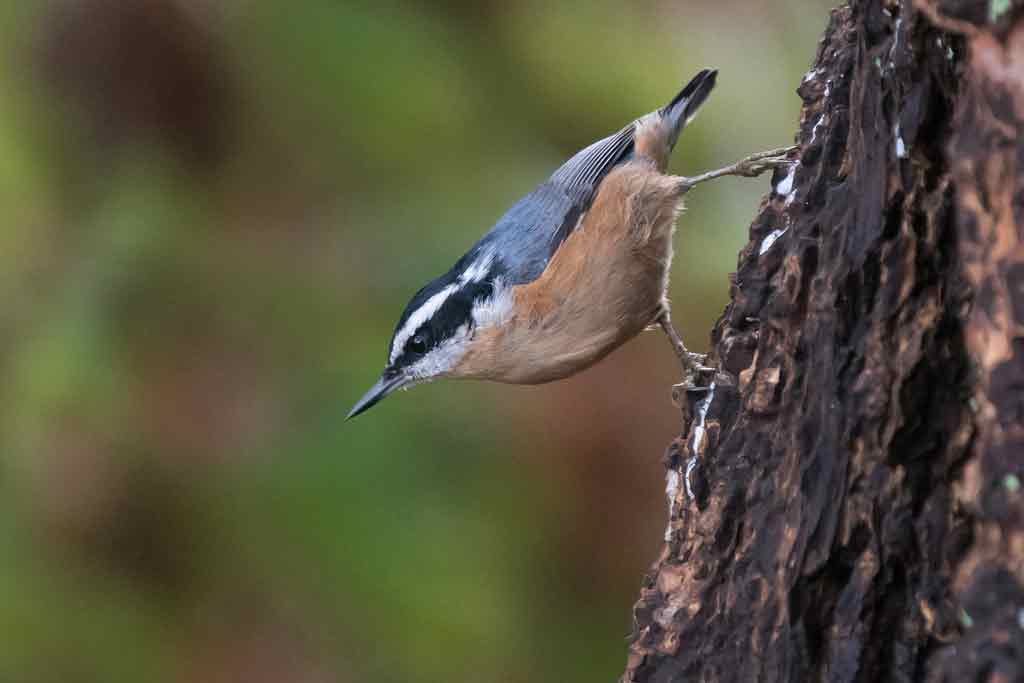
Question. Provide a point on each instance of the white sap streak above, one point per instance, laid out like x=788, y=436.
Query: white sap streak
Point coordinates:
x=770, y=239
x=702, y=414
x=895, y=41
x=673, y=477
x=785, y=186
x=671, y=490
x=814, y=131
x=692, y=463
x=901, y=148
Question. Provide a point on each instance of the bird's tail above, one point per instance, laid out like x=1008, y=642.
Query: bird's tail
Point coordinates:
x=683, y=107
x=655, y=135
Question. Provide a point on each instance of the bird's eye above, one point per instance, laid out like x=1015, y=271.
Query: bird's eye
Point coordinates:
x=418, y=344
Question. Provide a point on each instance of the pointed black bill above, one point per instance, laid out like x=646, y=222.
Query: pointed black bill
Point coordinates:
x=384, y=386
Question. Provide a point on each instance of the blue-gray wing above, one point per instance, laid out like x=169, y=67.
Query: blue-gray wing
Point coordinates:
x=518, y=248
x=587, y=167
x=530, y=233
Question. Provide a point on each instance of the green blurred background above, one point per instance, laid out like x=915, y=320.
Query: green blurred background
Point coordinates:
x=214, y=213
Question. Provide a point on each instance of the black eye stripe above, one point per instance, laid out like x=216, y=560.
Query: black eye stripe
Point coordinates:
x=453, y=315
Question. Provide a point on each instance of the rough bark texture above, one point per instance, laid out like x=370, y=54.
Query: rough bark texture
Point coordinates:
x=846, y=499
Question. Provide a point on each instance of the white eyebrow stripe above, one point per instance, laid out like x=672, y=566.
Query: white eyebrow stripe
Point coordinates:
x=478, y=270
x=422, y=315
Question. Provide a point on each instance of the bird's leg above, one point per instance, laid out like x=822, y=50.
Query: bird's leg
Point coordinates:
x=693, y=363
x=751, y=167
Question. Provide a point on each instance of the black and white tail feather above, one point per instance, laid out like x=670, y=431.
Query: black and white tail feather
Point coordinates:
x=587, y=168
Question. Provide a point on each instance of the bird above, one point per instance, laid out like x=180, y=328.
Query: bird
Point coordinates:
x=576, y=268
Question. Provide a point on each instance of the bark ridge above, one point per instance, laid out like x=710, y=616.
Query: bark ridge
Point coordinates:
x=845, y=498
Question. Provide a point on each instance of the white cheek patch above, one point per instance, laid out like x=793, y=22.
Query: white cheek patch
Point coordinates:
x=441, y=358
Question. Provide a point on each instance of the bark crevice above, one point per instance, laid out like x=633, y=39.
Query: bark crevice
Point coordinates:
x=852, y=500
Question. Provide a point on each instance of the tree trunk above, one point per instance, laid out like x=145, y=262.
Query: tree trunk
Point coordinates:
x=845, y=500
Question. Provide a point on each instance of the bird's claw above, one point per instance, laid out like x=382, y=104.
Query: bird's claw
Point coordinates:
x=754, y=166
x=751, y=167
x=694, y=364
x=689, y=384
x=701, y=370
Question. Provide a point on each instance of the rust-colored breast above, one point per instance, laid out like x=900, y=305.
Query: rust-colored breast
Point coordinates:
x=604, y=285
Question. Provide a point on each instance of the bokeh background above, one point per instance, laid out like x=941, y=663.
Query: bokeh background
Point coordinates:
x=214, y=213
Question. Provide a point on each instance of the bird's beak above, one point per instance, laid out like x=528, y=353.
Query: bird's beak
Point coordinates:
x=384, y=386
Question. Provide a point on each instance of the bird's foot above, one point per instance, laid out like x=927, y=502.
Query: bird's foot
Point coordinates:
x=697, y=361
x=691, y=381
x=694, y=367
x=759, y=163
x=750, y=167
x=693, y=363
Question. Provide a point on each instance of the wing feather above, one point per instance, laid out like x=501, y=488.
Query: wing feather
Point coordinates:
x=585, y=170
x=526, y=237
x=530, y=233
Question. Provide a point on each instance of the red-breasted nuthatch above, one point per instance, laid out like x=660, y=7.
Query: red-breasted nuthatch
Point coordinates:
x=575, y=269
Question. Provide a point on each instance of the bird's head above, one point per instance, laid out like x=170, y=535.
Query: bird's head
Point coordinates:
x=438, y=326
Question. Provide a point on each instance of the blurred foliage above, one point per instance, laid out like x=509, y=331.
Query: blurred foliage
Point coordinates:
x=215, y=213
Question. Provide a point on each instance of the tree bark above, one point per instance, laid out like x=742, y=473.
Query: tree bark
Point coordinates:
x=845, y=500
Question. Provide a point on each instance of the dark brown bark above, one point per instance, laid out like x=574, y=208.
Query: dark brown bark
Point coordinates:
x=846, y=499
